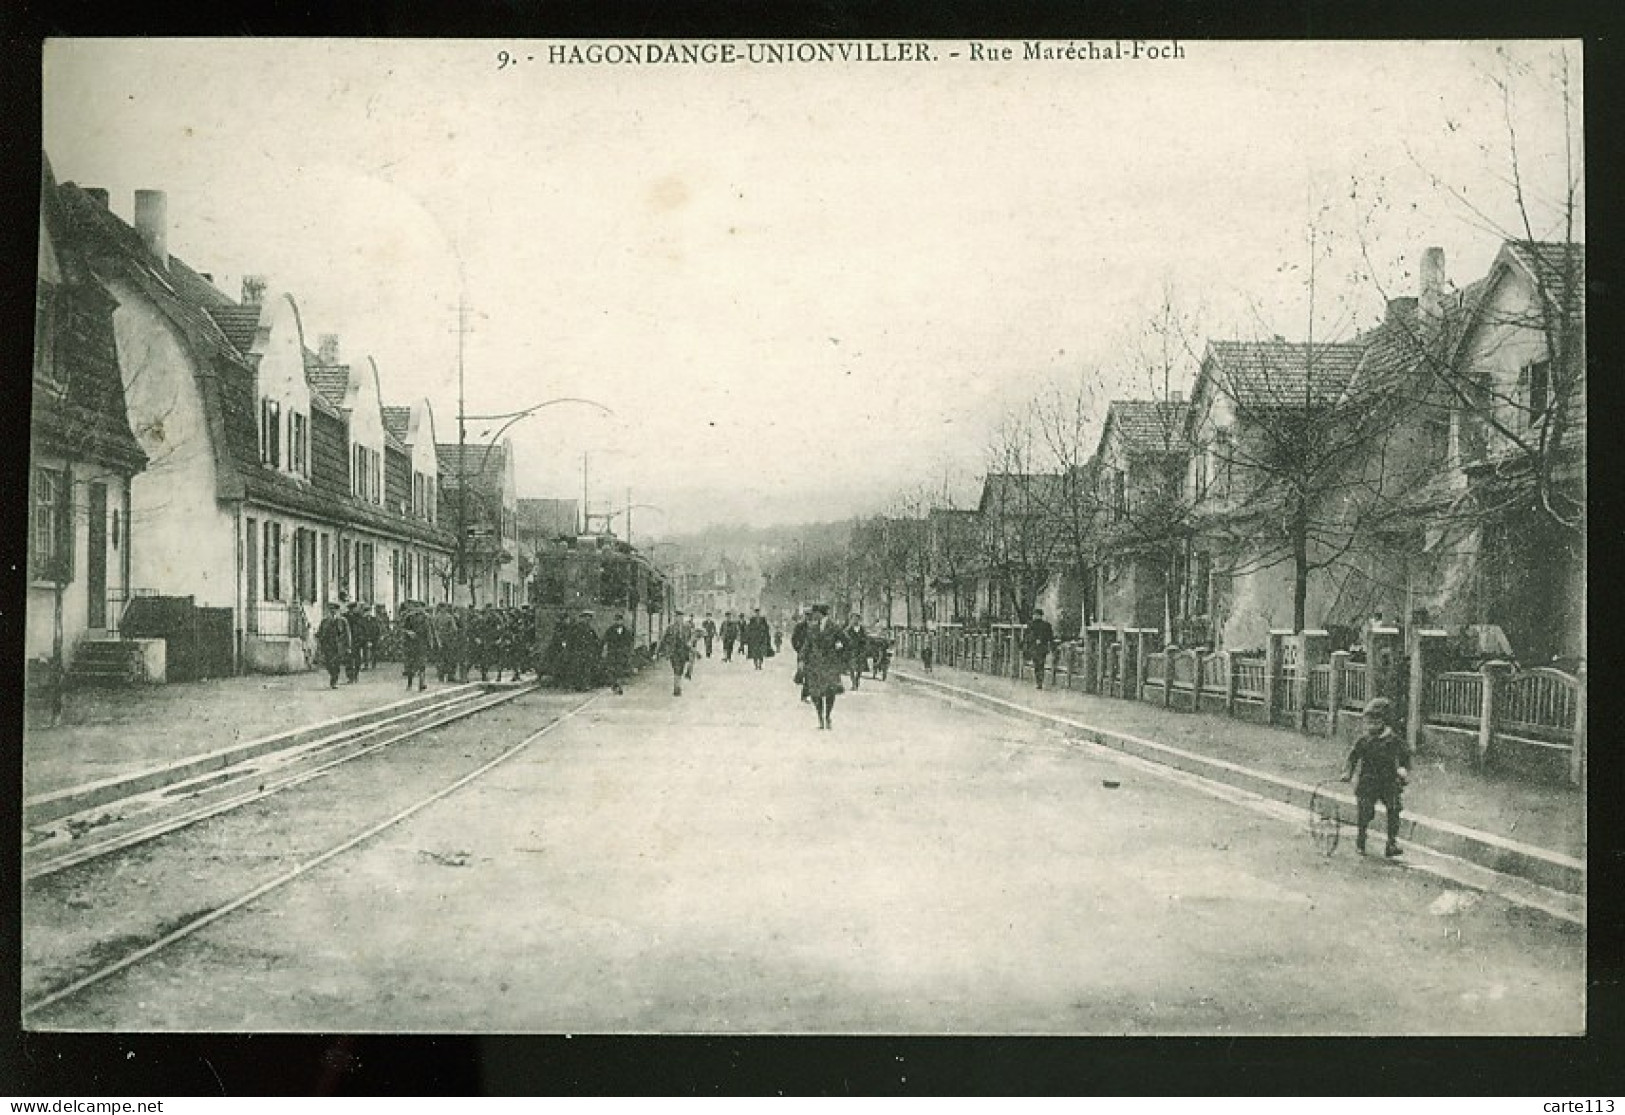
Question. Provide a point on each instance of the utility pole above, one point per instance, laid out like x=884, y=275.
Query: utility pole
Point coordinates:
x=460, y=574
x=586, y=516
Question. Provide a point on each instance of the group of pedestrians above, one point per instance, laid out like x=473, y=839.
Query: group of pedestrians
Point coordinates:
x=350, y=638
x=486, y=639
x=827, y=652
x=579, y=658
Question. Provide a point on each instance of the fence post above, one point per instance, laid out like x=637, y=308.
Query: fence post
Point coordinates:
x=1272, y=672
x=1230, y=685
x=1168, y=653
x=1382, y=663
x=1425, y=662
x=1492, y=672
x=1311, y=653
x=1140, y=652
x=1577, y=753
x=1199, y=671
x=1334, y=691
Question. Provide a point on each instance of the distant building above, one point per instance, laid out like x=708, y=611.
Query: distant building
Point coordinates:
x=479, y=498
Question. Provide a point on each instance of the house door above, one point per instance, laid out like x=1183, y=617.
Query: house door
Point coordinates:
x=96, y=557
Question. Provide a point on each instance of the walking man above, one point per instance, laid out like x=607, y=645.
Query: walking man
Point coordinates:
x=730, y=636
x=617, y=652
x=417, y=641
x=1040, y=638
x=858, y=640
x=710, y=630
x=758, y=639
x=827, y=655
x=1383, y=758
x=675, y=647
x=352, y=664
x=333, y=640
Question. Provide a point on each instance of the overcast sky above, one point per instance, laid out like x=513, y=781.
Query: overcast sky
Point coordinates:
x=799, y=287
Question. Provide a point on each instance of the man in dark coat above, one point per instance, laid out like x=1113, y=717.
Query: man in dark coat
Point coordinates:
x=709, y=630
x=826, y=656
x=730, y=636
x=858, y=640
x=584, y=653
x=758, y=639
x=333, y=640
x=1040, y=639
x=449, y=640
x=798, y=643
x=417, y=643
x=352, y=664
x=617, y=652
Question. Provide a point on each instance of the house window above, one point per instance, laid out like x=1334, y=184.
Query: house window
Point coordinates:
x=1119, y=494
x=299, y=443
x=1200, y=464
x=431, y=509
x=47, y=306
x=304, y=564
x=271, y=432
x=1221, y=464
x=1535, y=381
x=364, y=572
x=52, y=525
x=272, y=563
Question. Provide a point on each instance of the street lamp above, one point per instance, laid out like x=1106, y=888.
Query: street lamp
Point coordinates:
x=508, y=420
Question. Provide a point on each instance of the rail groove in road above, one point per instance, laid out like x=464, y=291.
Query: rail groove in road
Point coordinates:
x=225, y=909
x=1530, y=876
x=165, y=808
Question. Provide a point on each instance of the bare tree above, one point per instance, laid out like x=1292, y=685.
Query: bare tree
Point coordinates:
x=1021, y=538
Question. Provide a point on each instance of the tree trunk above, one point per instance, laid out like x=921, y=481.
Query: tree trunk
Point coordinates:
x=1300, y=563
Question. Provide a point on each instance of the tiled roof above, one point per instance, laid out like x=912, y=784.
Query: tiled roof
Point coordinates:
x=332, y=382
x=238, y=323
x=1148, y=426
x=225, y=378
x=1271, y=374
x=88, y=419
x=1034, y=489
x=398, y=422
x=1556, y=264
x=481, y=463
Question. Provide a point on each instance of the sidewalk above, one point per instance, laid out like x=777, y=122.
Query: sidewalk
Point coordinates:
x=114, y=731
x=1547, y=817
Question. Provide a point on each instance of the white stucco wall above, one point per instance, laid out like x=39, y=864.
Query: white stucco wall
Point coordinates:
x=40, y=620
x=183, y=538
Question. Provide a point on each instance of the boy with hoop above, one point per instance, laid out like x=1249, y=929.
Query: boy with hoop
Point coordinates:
x=1383, y=758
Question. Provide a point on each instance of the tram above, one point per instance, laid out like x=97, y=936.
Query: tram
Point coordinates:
x=601, y=574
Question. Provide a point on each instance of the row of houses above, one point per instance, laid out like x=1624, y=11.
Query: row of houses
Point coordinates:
x=188, y=444
x=1426, y=472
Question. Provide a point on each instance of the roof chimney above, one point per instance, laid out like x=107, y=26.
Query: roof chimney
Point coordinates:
x=97, y=194
x=328, y=353
x=1433, y=281
x=152, y=223
x=1398, y=310
x=253, y=290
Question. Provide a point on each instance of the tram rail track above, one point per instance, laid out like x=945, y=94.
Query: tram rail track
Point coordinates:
x=114, y=826
x=223, y=909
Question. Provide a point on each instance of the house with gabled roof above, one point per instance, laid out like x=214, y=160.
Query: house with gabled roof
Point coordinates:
x=1516, y=374
x=1022, y=563
x=1268, y=420
x=479, y=499
x=1134, y=481
x=83, y=453
x=266, y=488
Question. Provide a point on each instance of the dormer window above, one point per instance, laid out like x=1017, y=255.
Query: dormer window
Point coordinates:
x=299, y=443
x=271, y=433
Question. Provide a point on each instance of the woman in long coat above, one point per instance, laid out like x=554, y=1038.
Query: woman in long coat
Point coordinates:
x=825, y=657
